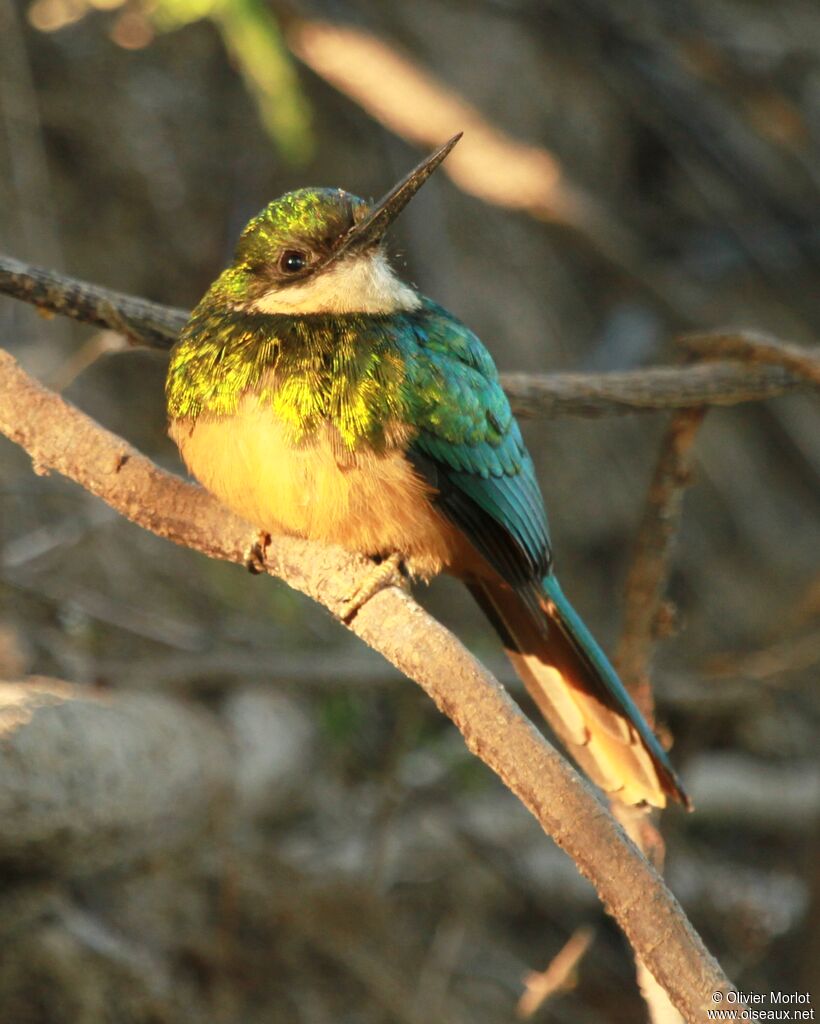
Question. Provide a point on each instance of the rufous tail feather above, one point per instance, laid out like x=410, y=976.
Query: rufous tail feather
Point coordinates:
x=579, y=693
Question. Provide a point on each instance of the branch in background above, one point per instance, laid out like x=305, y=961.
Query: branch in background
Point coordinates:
x=490, y=164
x=58, y=436
x=771, y=663
x=756, y=349
x=559, y=976
x=417, y=106
x=564, y=394
x=645, y=610
x=140, y=321
x=647, y=390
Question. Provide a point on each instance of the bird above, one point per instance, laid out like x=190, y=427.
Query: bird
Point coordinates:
x=317, y=394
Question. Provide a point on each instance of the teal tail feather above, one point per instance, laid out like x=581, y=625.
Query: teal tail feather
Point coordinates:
x=579, y=693
x=599, y=666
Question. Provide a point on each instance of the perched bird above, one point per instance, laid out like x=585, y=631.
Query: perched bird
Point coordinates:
x=316, y=394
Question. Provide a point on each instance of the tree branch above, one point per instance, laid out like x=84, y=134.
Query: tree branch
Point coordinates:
x=142, y=322
x=757, y=349
x=651, y=389
x=60, y=437
x=548, y=395
x=644, y=606
x=644, y=620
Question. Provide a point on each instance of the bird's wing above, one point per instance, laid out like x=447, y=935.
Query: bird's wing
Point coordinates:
x=469, y=447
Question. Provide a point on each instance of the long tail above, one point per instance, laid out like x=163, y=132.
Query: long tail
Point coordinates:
x=579, y=693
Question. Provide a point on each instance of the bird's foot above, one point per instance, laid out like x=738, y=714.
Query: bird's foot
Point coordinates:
x=255, y=553
x=387, y=571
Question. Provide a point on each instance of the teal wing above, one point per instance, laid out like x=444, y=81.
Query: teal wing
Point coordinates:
x=469, y=447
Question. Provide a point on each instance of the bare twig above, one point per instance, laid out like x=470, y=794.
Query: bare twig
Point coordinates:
x=558, y=976
x=644, y=590
x=101, y=343
x=566, y=394
x=755, y=348
x=644, y=608
x=142, y=322
x=58, y=436
x=647, y=390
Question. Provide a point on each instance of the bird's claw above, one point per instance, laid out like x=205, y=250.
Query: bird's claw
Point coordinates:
x=255, y=553
x=386, y=572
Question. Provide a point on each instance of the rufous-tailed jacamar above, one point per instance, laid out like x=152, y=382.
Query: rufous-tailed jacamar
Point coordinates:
x=317, y=394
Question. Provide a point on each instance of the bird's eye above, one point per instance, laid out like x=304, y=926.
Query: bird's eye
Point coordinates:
x=292, y=261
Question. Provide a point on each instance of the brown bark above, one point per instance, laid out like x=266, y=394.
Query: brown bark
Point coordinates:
x=548, y=395
x=60, y=437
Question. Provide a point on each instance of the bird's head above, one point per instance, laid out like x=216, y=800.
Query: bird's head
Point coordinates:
x=319, y=250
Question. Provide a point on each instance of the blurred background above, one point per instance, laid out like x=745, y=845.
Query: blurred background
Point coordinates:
x=629, y=171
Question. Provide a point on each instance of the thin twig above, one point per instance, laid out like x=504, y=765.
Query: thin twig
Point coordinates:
x=757, y=349
x=58, y=436
x=566, y=394
x=644, y=609
x=558, y=976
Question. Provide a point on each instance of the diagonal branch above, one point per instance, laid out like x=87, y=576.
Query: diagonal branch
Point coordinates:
x=548, y=395
x=142, y=322
x=645, y=616
x=58, y=436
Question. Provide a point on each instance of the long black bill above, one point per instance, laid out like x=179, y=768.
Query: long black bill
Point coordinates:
x=372, y=229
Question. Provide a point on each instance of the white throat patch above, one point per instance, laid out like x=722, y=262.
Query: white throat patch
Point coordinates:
x=360, y=284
